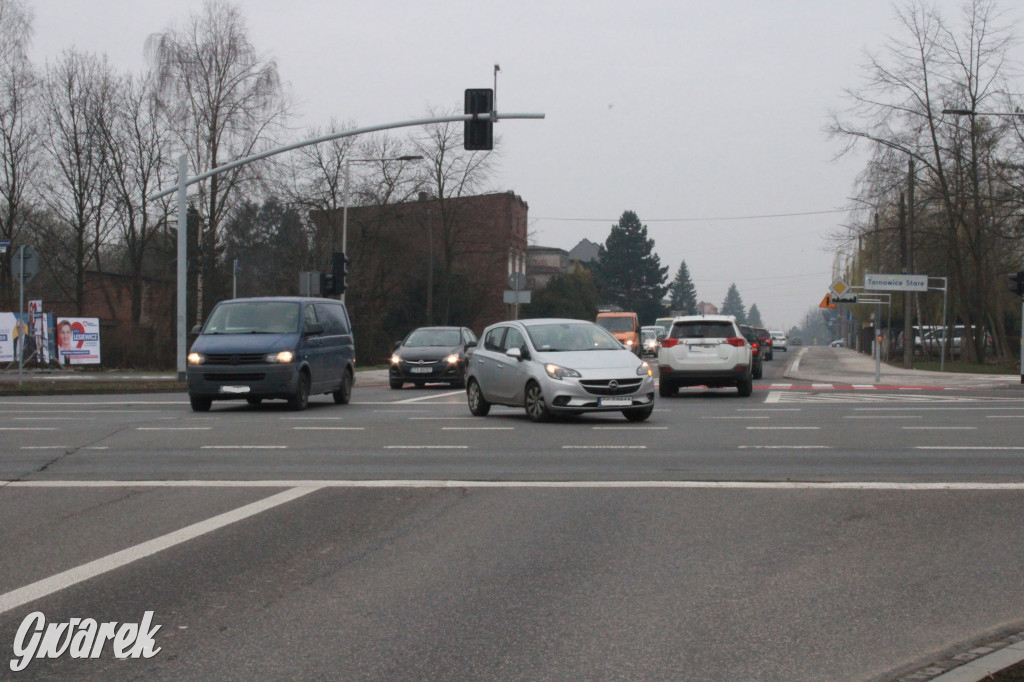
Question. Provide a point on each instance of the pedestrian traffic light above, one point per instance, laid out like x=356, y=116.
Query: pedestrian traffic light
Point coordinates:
x=478, y=134
x=1017, y=282
x=339, y=270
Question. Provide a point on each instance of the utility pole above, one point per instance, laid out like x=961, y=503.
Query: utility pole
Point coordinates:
x=908, y=326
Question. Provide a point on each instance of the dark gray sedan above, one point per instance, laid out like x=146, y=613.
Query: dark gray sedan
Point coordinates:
x=431, y=355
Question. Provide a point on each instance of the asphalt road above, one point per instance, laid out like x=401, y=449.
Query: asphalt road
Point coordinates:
x=811, y=531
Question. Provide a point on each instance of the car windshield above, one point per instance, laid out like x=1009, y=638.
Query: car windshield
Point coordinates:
x=703, y=329
x=616, y=324
x=569, y=336
x=433, y=337
x=254, y=317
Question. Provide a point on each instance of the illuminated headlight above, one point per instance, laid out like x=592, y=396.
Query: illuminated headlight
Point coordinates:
x=196, y=358
x=283, y=356
x=452, y=359
x=556, y=372
x=395, y=359
x=643, y=369
x=629, y=342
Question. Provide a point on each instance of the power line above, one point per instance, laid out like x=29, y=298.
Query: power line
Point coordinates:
x=694, y=220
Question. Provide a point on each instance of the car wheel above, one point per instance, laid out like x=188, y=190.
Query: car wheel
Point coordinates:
x=344, y=394
x=254, y=401
x=759, y=372
x=667, y=389
x=200, y=404
x=638, y=415
x=300, y=400
x=745, y=387
x=396, y=383
x=536, y=408
x=478, y=405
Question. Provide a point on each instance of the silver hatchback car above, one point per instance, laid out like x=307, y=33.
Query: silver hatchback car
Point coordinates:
x=556, y=366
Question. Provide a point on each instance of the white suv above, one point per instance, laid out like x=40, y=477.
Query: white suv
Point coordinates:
x=705, y=350
x=779, y=341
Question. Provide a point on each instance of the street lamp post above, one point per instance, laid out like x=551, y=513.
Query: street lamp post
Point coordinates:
x=344, y=210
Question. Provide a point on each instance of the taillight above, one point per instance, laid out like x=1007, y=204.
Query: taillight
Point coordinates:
x=753, y=347
x=736, y=341
x=668, y=343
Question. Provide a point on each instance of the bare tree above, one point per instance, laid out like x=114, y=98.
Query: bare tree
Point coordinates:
x=451, y=172
x=18, y=131
x=929, y=68
x=77, y=99
x=224, y=100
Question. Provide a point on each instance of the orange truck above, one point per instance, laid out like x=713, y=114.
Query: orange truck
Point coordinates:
x=624, y=326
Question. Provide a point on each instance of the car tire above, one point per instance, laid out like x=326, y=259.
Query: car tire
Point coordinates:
x=396, y=384
x=638, y=415
x=536, y=408
x=344, y=393
x=200, y=404
x=759, y=372
x=478, y=405
x=300, y=400
x=745, y=387
x=666, y=389
x=255, y=402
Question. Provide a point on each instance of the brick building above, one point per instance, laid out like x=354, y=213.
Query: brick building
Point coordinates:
x=434, y=261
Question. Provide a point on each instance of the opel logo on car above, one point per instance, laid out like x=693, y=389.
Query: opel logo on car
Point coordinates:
x=613, y=384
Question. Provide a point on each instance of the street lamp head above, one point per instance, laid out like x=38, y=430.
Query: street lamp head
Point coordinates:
x=959, y=112
x=410, y=157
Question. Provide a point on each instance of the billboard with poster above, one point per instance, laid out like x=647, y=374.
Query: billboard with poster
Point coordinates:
x=78, y=340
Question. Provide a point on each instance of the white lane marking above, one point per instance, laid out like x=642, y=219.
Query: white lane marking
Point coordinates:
x=783, y=428
x=27, y=428
x=629, y=428
x=773, y=397
x=969, y=447
x=426, y=447
x=328, y=428
x=785, y=447
x=243, y=447
x=770, y=409
x=742, y=416
x=60, y=581
x=53, y=419
x=427, y=397
x=173, y=428
x=604, y=447
x=939, y=428
x=450, y=483
x=821, y=385
x=478, y=428
x=881, y=416
x=1004, y=416
x=425, y=419
x=285, y=419
x=45, y=447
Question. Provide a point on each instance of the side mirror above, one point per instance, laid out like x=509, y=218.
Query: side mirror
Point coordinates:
x=471, y=344
x=197, y=330
x=397, y=344
x=514, y=353
x=313, y=329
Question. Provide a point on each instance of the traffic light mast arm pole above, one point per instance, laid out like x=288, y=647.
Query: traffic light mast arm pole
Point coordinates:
x=184, y=181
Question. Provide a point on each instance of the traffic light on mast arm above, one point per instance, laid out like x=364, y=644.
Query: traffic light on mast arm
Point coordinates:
x=1017, y=282
x=478, y=134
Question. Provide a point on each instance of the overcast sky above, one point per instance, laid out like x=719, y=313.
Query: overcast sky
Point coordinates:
x=694, y=114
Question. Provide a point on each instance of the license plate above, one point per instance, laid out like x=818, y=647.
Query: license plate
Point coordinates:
x=615, y=402
x=234, y=389
x=421, y=370
x=698, y=349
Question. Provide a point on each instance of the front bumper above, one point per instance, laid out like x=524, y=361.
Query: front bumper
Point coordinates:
x=231, y=382
x=442, y=370
x=590, y=395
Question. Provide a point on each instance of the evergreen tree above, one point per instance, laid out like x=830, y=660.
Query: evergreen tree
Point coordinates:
x=683, y=293
x=733, y=305
x=754, y=317
x=629, y=273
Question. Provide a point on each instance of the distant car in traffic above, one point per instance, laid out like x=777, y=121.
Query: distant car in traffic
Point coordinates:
x=765, y=339
x=624, y=326
x=705, y=350
x=779, y=341
x=431, y=355
x=757, y=353
x=557, y=366
x=838, y=343
x=649, y=339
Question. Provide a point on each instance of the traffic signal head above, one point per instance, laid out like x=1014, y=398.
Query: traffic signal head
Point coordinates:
x=339, y=270
x=478, y=134
x=1017, y=282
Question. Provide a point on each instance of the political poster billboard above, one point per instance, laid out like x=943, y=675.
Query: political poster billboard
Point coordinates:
x=78, y=340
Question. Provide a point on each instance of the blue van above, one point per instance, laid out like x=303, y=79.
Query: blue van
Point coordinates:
x=272, y=347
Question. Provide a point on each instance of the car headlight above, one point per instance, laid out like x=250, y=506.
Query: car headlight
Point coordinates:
x=557, y=372
x=284, y=356
x=452, y=359
x=643, y=369
x=196, y=358
x=395, y=359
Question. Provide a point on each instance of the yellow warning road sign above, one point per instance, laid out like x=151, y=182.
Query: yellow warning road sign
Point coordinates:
x=827, y=302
